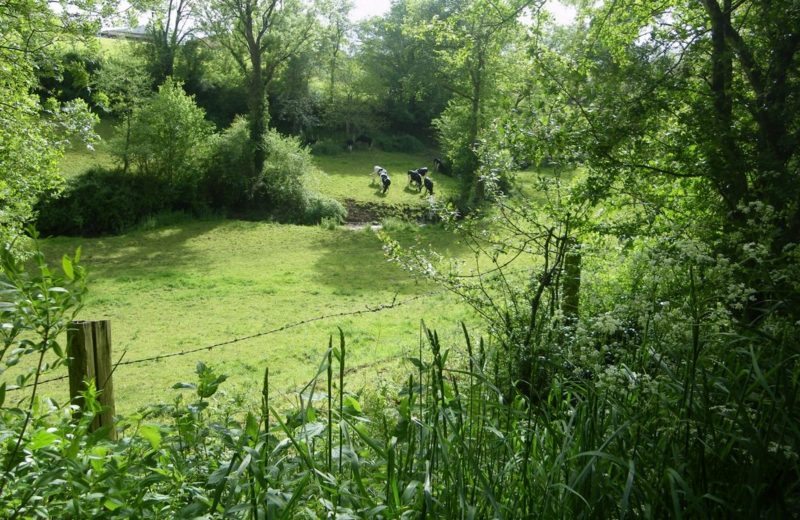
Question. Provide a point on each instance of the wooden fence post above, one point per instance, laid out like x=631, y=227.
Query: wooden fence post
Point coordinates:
x=89, y=349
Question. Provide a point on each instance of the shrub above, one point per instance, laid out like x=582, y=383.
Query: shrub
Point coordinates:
x=103, y=201
x=229, y=171
x=453, y=137
x=400, y=143
x=281, y=190
x=327, y=147
x=320, y=208
x=169, y=136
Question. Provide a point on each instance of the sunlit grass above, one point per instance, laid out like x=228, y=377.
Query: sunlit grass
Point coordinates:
x=204, y=282
x=350, y=176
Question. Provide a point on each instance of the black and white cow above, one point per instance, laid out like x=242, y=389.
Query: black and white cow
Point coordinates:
x=377, y=170
x=385, y=181
x=440, y=166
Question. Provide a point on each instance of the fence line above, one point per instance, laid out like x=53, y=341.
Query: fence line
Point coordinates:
x=385, y=306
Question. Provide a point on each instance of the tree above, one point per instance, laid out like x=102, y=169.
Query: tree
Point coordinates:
x=171, y=25
x=169, y=135
x=335, y=36
x=30, y=145
x=474, y=41
x=261, y=35
x=121, y=85
x=398, y=63
x=696, y=99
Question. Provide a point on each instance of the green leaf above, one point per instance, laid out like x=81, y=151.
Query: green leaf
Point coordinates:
x=352, y=402
x=66, y=265
x=252, y=425
x=113, y=504
x=151, y=434
x=42, y=439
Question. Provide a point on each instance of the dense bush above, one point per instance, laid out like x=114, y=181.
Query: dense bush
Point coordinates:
x=229, y=172
x=69, y=78
x=399, y=143
x=104, y=201
x=328, y=146
x=281, y=188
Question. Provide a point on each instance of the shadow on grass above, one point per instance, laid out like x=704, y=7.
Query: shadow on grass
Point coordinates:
x=353, y=262
x=116, y=257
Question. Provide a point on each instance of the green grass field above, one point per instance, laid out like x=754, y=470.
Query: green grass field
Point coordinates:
x=204, y=282
x=350, y=176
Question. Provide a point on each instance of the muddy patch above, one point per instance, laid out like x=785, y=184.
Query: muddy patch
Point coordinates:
x=362, y=213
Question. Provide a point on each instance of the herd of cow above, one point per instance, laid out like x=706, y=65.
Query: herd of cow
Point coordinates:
x=418, y=177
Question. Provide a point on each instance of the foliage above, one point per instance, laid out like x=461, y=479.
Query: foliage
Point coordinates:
x=228, y=174
x=475, y=43
x=398, y=64
x=108, y=201
x=282, y=186
x=169, y=136
x=701, y=107
x=32, y=144
x=36, y=306
x=170, y=26
x=122, y=85
x=260, y=36
x=69, y=77
x=328, y=147
x=399, y=143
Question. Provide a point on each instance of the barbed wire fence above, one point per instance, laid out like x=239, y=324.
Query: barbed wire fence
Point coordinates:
x=367, y=310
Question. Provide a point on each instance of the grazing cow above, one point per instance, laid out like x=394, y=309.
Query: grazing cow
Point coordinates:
x=349, y=145
x=429, y=185
x=365, y=140
x=414, y=177
x=377, y=170
x=440, y=166
x=385, y=180
x=422, y=170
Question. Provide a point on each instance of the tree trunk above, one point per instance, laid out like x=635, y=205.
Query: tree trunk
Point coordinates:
x=257, y=106
x=725, y=160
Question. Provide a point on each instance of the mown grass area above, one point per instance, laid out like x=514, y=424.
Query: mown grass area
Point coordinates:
x=204, y=282
x=349, y=175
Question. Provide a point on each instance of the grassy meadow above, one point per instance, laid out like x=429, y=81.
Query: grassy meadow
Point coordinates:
x=204, y=282
x=349, y=175
x=174, y=287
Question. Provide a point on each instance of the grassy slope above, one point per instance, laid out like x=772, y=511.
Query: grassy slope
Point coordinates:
x=350, y=176
x=200, y=283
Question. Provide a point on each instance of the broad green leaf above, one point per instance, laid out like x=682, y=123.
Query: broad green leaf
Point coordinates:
x=42, y=439
x=66, y=265
x=151, y=434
